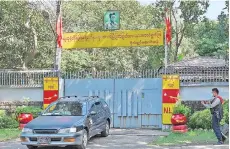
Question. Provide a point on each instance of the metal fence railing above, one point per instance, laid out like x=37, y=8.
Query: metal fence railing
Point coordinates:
x=197, y=74
x=34, y=78
x=111, y=75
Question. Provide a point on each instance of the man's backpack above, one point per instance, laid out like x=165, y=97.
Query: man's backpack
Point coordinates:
x=221, y=99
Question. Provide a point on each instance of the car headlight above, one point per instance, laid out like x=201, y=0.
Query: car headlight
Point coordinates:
x=71, y=130
x=27, y=130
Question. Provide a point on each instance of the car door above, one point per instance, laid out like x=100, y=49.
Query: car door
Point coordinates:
x=107, y=113
x=100, y=118
x=93, y=121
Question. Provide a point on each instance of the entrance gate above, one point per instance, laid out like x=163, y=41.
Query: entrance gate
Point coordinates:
x=134, y=103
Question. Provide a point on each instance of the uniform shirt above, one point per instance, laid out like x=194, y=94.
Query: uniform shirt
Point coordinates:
x=212, y=105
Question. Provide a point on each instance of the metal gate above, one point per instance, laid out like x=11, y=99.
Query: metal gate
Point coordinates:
x=134, y=103
x=98, y=87
x=137, y=103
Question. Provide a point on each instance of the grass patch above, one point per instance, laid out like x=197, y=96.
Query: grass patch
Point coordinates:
x=8, y=134
x=190, y=138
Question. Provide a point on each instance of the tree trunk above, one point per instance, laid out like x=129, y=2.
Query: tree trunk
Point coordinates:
x=178, y=43
x=33, y=52
x=30, y=56
x=178, y=40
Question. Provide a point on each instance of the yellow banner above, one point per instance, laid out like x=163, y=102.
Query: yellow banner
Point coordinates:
x=51, y=83
x=128, y=38
x=171, y=81
x=167, y=110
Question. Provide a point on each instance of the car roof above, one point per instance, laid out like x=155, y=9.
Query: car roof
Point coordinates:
x=80, y=98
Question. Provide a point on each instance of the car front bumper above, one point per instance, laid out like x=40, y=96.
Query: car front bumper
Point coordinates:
x=56, y=139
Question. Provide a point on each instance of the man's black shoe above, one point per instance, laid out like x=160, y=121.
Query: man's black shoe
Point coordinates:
x=219, y=143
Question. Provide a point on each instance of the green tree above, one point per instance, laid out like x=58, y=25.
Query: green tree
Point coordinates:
x=223, y=27
x=25, y=37
x=208, y=41
x=212, y=37
x=185, y=15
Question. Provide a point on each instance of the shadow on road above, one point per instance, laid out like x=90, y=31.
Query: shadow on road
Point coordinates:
x=114, y=142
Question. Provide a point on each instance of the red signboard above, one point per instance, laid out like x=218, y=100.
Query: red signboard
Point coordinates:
x=170, y=95
x=50, y=90
x=50, y=96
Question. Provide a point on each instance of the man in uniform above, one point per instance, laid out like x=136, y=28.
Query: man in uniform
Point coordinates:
x=215, y=106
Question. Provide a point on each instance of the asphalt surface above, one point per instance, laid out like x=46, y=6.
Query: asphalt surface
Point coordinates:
x=120, y=139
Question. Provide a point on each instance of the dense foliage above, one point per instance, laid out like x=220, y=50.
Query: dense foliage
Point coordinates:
x=212, y=39
x=200, y=119
x=225, y=119
x=28, y=109
x=27, y=38
x=8, y=122
x=182, y=109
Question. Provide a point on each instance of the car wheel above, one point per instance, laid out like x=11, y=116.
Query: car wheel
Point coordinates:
x=84, y=140
x=31, y=147
x=105, y=133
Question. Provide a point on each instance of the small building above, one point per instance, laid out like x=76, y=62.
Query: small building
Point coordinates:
x=199, y=69
x=202, y=62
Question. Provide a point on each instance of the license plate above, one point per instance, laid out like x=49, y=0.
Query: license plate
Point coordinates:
x=44, y=140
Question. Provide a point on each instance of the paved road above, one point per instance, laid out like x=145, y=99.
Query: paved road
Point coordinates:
x=121, y=139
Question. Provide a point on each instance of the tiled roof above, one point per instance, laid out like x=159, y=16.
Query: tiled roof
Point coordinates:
x=199, y=69
x=201, y=62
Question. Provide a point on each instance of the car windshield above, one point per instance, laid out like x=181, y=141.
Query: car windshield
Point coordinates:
x=66, y=108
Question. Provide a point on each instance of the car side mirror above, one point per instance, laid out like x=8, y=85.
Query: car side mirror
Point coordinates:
x=93, y=113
